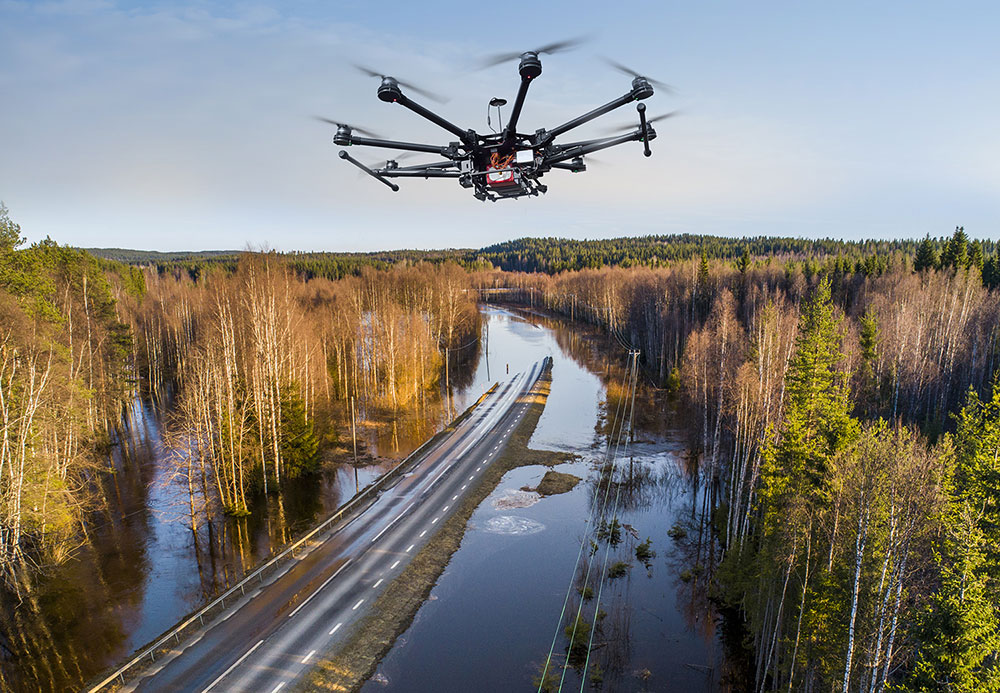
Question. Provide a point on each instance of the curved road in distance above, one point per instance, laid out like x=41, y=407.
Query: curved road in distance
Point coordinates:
x=274, y=635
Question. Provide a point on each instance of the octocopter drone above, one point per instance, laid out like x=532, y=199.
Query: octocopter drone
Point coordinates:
x=507, y=163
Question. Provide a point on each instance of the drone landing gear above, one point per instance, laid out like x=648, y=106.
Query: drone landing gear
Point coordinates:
x=347, y=157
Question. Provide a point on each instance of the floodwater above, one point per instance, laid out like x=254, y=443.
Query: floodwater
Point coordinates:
x=498, y=611
x=491, y=619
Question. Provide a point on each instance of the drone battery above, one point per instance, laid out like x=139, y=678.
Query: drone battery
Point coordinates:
x=501, y=179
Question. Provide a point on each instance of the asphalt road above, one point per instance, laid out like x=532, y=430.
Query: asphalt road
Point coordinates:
x=273, y=636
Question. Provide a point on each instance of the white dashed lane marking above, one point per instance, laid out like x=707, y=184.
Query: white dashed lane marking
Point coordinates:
x=393, y=566
x=377, y=583
x=411, y=548
x=336, y=628
x=355, y=607
x=308, y=657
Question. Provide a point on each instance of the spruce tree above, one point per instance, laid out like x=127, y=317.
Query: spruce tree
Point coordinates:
x=956, y=251
x=298, y=442
x=960, y=636
x=927, y=257
x=817, y=423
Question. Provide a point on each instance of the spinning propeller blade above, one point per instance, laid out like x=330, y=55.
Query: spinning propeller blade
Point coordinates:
x=549, y=48
x=406, y=85
x=633, y=73
x=339, y=123
x=636, y=126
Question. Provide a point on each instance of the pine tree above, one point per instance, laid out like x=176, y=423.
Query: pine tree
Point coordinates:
x=927, y=257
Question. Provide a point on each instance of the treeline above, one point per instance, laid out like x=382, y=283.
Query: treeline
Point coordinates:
x=858, y=515
x=308, y=265
x=263, y=362
x=553, y=255
x=65, y=370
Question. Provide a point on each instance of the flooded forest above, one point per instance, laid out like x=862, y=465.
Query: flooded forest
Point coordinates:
x=837, y=414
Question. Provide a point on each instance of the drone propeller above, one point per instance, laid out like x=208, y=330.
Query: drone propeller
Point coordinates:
x=550, y=48
x=634, y=126
x=632, y=73
x=382, y=163
x=406, y=85
x=360, y=131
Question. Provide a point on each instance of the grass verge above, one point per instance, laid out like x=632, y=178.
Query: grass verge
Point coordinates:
x=349, y=664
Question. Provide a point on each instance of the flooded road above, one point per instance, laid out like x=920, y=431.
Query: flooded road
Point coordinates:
x=492, y=619
x=493, y=616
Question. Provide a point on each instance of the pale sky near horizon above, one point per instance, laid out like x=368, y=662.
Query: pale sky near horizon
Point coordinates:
x=185, y=125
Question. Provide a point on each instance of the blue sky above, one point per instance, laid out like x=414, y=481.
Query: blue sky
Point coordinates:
x=185, y=125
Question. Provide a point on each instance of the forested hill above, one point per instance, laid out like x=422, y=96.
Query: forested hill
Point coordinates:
x=553, y=255
x=306, y=264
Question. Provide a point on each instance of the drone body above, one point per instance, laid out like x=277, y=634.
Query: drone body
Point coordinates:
x=505, y=164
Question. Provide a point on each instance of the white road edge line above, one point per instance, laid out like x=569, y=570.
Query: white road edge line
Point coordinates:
x=336, y=628
x=386, y=528
x=319, y=588
x=234, y=665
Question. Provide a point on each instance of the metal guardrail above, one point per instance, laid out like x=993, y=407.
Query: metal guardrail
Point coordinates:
x=258, y=574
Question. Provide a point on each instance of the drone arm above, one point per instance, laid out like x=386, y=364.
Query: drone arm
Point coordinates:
x=389, y=144
x=418, y=173
x=587, y=117
x=584, y=148
x=515, y=113
x=406, y=101
x=347, y=157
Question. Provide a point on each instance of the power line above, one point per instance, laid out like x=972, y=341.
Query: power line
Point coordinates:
x=607, y=553
x=583, y=541
x=632, y=378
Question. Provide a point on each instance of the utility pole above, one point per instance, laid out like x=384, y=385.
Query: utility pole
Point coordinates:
x=354, y=437
x=447, y=383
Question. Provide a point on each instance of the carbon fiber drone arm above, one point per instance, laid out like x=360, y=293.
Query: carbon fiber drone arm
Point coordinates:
x=467, y=137
x=391, y=144
x=584, y=148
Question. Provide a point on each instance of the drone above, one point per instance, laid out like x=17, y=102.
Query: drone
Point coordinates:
x=504, y=164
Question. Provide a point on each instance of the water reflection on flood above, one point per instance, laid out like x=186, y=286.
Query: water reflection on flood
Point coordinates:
x=495, y=612
x=141, y=566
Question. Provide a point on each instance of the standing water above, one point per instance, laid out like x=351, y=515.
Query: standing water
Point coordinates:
x=499, y=610
x=491, y=620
